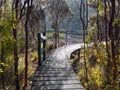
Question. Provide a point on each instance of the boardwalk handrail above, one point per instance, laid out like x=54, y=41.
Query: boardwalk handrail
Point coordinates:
x=72, y=56
x=76, y=51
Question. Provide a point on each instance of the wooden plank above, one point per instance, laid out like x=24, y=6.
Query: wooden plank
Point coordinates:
x=58, y=87
x=55, y=75
x=54, y=68
x=61, y=82
x=53, y=78
x=57, y=63
x=57, y=66
x=54, y=71
x=38, y=88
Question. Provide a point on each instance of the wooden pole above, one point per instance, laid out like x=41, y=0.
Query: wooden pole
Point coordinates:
x=39, y=49
x=78, y=54
x=44, y=47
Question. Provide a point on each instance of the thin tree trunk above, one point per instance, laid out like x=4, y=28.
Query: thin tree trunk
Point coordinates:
x=29, y=4
x=56, y=34
x=106, y=41
x=82, y=18
x=111, y=35
x=98, y=20
x=86, y=16
x=58, y=37
x=118, y=7
x=66, y=39
x=16, y=60
x=2, y=61
x=17, y=87
x=26, y=53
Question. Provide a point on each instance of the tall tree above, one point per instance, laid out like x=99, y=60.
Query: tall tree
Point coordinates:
x=15, y=5
x=106, y=39
x=17, y=14
x=83, y=10
x=111, y=35
x=2, y=50
x=28, y=13
x=2, y=61
x=98, y=19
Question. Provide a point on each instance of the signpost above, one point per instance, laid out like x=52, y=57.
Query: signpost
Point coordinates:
x=41, y=36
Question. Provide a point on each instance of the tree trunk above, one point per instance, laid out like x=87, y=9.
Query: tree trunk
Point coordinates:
x=26, y=53
x=2, y=61
x=29, y=4
x=86, y=26
x=66, y=39
x=16, y=60
x=118, y=7
x=98, y=20
x=82, y=10
x=106, y=41
x=111, y=35
x=56, y=34
x=17, y=87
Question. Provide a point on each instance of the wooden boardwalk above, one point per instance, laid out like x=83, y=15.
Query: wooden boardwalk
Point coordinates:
x=56, y=72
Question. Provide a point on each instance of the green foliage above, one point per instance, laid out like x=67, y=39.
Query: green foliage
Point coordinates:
x=101, y=6
x=6, y=34
x=92, y=3
x=4, y=64
x=35, y=55
x=91, y=37
x=5, y=26
x=6, y=44
x=96, y=63
x=116, y=22
x=8, y=69
x=1, y=71
x=96, y=76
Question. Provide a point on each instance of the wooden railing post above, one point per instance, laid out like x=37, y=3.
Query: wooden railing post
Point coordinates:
x=39, y=49
x=44, y=47
x=78, y=54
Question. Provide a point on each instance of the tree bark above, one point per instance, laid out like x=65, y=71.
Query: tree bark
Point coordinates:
x=26, y=53
x=98, y=20
x=106, y=41
x=2, y=61
x=16, y=60
x=29, y=5
x=56, y=28
x=111, y=35
x=82, y=10
x=17, y=86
